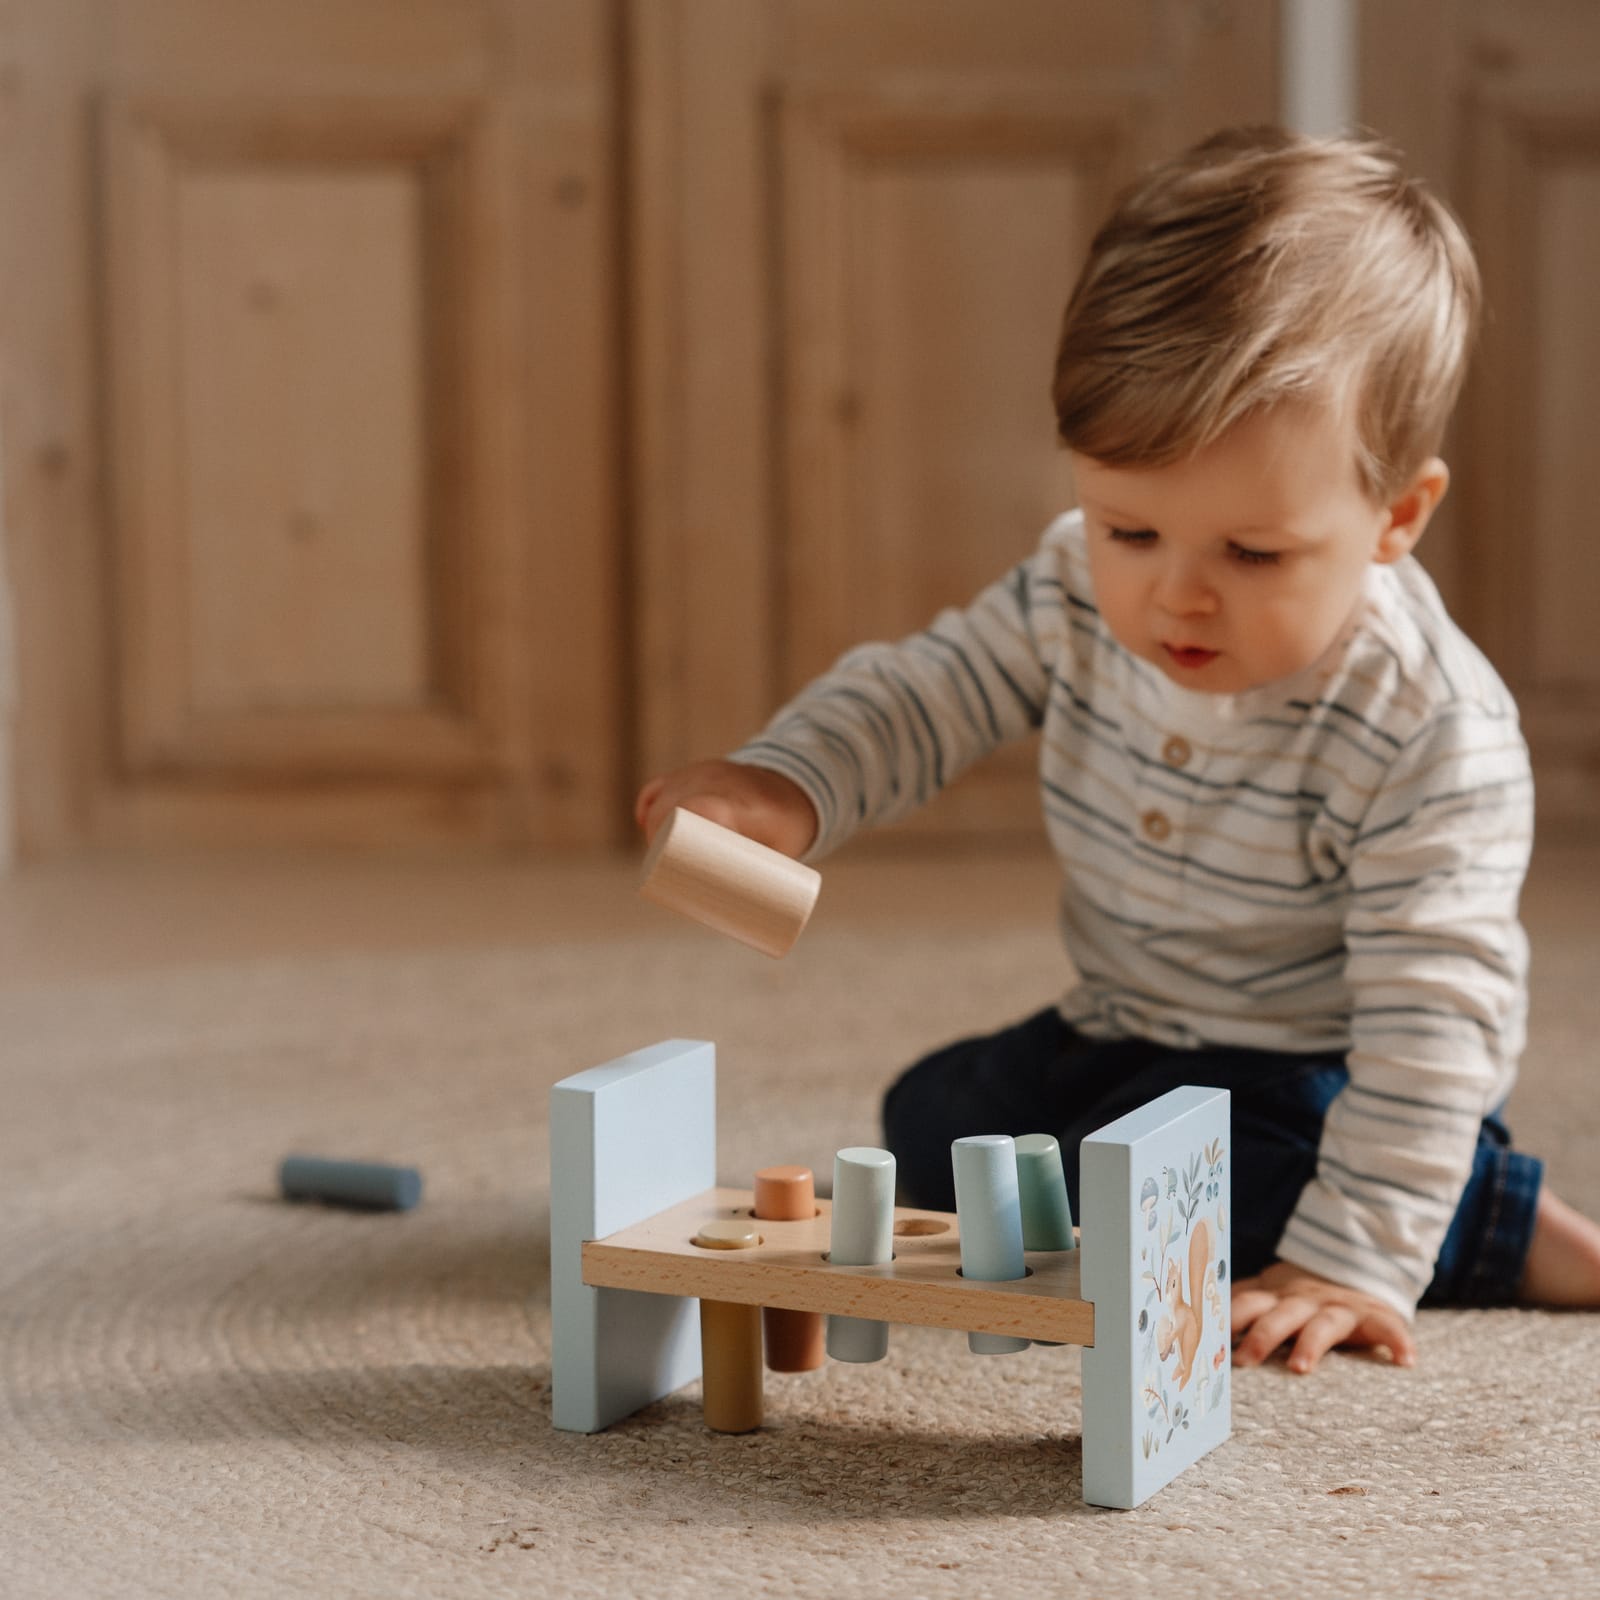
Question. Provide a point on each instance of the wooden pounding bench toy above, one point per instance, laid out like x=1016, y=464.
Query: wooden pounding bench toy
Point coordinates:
x=633, y=1186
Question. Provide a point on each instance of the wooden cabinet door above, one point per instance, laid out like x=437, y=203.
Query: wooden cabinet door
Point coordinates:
x=855, y=227
x=311, y=447
x=1498, y=103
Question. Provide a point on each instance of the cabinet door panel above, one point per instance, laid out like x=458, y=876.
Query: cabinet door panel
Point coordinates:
x=1506, y=124
x=338, y=418
x=303, y=381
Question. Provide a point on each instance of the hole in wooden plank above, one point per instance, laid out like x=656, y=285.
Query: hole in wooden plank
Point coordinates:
x=919, y=1228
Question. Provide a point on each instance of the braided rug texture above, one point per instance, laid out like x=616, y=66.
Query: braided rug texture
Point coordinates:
x=205, y=1391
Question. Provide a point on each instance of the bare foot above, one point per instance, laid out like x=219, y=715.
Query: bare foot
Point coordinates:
x=1563, y=1267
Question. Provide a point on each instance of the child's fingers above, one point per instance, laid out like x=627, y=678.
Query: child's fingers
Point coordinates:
x=1389, y=1328
x=1248, y=1304
x=713, y=807
x=1330, y=1326
x=1282, y=1304
x=1272, y=1328
x=661, y=797
x=647, y=796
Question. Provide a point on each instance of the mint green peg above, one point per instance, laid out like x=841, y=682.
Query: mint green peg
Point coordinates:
x=1046, y=1210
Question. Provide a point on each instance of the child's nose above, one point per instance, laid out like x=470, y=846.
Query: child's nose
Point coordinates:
x=1183, y=590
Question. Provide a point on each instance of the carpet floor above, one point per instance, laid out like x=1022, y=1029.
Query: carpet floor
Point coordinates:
x=205, y=1391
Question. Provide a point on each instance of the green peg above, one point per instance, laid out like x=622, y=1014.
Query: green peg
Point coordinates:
x=1046, y=1210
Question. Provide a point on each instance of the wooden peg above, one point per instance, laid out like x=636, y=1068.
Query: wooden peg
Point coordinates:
x=730, y=883
x=794, y=1339
x=990, y=1213
x=1042, y=1185
x=862, y=1235
x=730, y=1343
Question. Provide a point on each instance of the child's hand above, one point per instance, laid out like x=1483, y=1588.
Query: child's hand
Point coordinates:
x=1286, y=1302
x=761, y=804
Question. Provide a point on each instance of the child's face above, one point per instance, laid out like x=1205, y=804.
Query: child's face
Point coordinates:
x=1240, y=565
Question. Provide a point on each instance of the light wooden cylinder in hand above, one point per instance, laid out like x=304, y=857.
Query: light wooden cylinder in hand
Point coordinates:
x=730, y=883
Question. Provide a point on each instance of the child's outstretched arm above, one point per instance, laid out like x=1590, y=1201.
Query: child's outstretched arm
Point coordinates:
x=890, y=724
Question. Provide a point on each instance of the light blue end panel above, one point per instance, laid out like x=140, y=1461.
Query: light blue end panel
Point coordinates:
x=1157, y=1393
x=627, y=1140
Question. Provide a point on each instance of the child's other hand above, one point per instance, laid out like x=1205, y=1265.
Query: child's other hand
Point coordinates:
x=761, y=804
x=1286, y=1302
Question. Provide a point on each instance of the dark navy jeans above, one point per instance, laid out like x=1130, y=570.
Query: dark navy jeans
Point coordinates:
x=1042, y=1076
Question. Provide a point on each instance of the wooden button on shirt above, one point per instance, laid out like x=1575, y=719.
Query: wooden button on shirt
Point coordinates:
x=1176, y=751
x=1156, y=824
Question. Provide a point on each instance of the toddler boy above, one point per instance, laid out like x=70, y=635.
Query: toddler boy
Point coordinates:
x=1290, y=800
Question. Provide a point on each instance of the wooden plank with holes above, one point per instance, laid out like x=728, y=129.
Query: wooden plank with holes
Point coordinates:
x=921, y=1287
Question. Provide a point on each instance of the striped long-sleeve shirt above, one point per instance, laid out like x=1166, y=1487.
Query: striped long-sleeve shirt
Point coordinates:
x=1329, y=863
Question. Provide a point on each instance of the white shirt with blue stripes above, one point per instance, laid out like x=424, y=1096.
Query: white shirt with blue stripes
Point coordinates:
x=1331, y=862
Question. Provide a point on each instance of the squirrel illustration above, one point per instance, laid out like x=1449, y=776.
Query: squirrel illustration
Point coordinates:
x=1183, y=1325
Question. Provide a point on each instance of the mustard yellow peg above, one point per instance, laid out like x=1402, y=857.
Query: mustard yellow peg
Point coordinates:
x=730, y=1342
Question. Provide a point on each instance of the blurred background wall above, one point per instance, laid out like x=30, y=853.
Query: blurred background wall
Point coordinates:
x=422, y=419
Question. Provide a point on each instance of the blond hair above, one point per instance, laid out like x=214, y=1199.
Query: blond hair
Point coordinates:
x=1259, y=268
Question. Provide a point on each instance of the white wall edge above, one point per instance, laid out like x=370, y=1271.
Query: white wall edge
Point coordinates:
x=1321, y=93
x=8, y=702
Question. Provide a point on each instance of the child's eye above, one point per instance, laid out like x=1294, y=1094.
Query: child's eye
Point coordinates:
x=1135, y=536
x=1254, y=558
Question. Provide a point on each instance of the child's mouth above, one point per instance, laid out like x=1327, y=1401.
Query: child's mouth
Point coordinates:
x=1190, y=656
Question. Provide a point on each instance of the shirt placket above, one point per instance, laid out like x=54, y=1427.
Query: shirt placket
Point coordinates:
x=1161, y=819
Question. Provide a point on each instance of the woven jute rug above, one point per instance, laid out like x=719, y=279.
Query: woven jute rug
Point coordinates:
x=206, y=1391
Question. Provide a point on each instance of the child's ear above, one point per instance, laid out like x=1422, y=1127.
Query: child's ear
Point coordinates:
x=1408, y=513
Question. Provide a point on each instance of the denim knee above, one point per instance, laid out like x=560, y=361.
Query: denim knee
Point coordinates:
x=1485, y=1251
